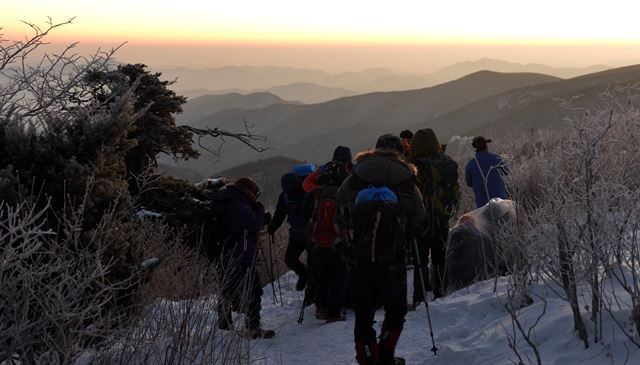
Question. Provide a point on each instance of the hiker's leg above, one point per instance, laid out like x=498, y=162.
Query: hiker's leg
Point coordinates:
x=322, y=276
x=438, y=257
x=423, y=252
x=336, y=286
x=292, y=258
x=364, y=306
x=394, y=296
x=254, y=297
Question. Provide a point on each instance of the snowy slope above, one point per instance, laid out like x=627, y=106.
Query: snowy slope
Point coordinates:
x=469, y=325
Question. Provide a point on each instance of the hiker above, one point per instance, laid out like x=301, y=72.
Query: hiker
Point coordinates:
x=290, y=206
x=382, y=202
x=484, y=173
x=438, y=183
x=244, y=217
x=327, y=240
x=406, y=136
x=340, y=154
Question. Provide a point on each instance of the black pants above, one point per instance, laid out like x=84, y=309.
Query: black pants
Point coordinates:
x=329, y=278
x=437, y=242
x=241, y=292
x=292, y=257
x=420, y=270
x=374, y=287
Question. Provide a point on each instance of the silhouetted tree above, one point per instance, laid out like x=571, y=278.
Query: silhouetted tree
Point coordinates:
x=155, y=130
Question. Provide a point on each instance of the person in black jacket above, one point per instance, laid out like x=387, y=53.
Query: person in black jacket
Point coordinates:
x=290, y=207
x=382, y=284
x=241, y=290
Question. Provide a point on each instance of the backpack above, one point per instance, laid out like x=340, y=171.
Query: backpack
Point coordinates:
x=333, y=173
x=324, y=228
x=439, y=179
x=294, y=195
x=213, y=233
x=377, y=226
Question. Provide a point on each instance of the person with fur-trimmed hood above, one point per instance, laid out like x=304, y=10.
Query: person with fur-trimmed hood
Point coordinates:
x=382, y=185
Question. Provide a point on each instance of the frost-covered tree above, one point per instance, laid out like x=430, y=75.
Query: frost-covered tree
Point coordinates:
x=155, y=129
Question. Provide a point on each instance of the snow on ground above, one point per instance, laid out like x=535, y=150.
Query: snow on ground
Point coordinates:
x=469, y=325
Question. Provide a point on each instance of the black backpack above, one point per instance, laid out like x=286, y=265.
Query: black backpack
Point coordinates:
x=294, y=197
x=438, y=177
x=377, y=226
x=214, y=232
x=333, y=174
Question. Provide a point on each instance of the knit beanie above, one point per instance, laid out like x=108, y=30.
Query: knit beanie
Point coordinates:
x=247, y=186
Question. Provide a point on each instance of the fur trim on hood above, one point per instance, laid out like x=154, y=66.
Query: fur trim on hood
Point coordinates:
x=383, y=167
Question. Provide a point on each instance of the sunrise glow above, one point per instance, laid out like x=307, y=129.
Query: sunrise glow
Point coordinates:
x=333, y=21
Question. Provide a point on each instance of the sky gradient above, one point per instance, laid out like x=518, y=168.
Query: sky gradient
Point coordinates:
x=374, y=27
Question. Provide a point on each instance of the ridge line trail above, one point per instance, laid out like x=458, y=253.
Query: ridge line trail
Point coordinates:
x=469, y=327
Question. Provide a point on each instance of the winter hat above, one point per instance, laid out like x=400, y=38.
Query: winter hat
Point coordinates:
x=425, y=143
x=304, y=169
x=406, y=134
x=247, y=186
x=390, y=142
x=342, y=154
x=480, y=143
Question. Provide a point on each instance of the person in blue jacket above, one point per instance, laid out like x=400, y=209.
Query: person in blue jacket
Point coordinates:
x=289, y=206
x=484, y=173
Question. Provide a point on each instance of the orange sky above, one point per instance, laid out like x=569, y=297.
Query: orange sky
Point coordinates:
x=239, y=31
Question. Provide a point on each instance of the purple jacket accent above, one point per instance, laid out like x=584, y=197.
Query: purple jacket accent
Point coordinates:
x=245, y=218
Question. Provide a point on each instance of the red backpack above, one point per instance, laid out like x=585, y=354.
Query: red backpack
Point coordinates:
x=324, y=229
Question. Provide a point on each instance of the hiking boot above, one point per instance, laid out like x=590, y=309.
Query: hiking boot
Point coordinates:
x=338, y=318
x=302, y=283
x=321, y=313
x=255, y=333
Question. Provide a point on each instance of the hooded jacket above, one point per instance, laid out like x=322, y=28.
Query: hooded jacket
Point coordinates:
x=385, y=168
x=290, y=206
x=244, y=218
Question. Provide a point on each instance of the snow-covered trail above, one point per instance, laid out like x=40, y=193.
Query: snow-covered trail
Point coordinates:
x=469, y=327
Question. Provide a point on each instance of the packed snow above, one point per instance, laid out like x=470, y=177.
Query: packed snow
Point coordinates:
x=470, y=327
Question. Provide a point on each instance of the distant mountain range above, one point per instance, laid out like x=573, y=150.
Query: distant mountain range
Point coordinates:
x=484, y=102
x=309, y=132
x=304, y=92
x=460, y=69
x=198, y=110
x=314, y=86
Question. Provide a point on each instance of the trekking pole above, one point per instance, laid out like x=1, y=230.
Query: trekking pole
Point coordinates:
x=434, y=349
x=273, y=288
x=304, y=302
x=273, y=271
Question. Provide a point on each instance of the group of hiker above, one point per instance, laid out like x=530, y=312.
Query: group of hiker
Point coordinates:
x=361, y=222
